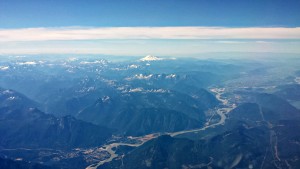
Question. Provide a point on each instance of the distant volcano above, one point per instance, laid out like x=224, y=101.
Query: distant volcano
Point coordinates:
x=150, y=58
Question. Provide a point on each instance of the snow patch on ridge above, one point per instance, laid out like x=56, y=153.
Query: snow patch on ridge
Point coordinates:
x=27, y=63
x=4, y=67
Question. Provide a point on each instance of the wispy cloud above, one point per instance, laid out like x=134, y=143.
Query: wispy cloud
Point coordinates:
x=242, y=41
x=230, y=42
x=82, y=33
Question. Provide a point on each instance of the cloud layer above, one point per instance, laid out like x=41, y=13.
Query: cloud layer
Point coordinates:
x=80, y=33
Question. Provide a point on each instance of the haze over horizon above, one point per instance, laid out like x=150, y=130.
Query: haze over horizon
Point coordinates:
x=138, y=28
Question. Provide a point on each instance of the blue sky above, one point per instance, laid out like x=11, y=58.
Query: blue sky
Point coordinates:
x=71, y=17
x=229, y=13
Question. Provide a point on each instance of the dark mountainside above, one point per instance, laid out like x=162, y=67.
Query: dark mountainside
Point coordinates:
x=24, y=126
x=166, y=112
x=10, y=164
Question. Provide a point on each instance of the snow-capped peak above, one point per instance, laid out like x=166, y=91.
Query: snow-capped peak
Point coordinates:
x=150, y=58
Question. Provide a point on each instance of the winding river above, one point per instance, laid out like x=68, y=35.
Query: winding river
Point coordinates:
x=222, y=110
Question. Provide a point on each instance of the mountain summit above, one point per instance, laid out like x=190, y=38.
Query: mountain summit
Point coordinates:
x=150, y=58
